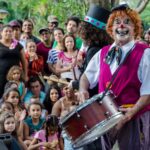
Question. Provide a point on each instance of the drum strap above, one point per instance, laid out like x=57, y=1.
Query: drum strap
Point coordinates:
x=115, y=74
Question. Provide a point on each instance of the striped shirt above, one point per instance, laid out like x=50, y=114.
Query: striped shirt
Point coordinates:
x=53, y=56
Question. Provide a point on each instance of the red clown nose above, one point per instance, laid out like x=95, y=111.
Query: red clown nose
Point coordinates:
x=121, y=26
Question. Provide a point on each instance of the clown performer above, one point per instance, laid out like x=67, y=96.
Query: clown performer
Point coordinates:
x=131, y=85
x=93, y=34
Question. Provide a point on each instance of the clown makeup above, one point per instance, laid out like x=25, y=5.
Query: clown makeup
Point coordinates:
x=123, y=30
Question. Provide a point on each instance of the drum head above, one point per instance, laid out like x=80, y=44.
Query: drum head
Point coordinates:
x=97, y=131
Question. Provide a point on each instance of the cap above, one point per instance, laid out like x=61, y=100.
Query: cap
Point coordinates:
x=14, y=23
x=52, y=19
x=120, y=7
x=44, y=29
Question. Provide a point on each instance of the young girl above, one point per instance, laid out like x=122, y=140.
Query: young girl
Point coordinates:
x=67, y=64
x=48, y=138
x=23, y=39
x=7, y=106
x=8, y=125
x=12, y=95
x=15, y=74
x=35, y=62
x=53, y=94
x=33, y=122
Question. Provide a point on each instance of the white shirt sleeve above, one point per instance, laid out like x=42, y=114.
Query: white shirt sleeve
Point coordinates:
x=144, y=73
x=93, y=69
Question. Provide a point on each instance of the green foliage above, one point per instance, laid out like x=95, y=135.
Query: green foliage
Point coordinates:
x=145, y=17
x=39, y=10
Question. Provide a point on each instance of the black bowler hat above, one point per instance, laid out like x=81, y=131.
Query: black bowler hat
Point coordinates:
x=97, y=16
x=120, y=7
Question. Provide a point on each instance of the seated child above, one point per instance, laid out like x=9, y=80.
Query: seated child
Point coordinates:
x=35, y=62
x=47, y=138
x=33, y=122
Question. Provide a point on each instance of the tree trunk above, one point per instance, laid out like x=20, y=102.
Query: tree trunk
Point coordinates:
x=107, y=4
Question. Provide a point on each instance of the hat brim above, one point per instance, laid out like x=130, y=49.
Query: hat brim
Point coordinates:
x=54, y=20
x=95, y=22
x=42, y=30
x=120, y=7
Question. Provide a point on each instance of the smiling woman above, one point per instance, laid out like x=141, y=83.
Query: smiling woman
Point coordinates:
x=11, y=53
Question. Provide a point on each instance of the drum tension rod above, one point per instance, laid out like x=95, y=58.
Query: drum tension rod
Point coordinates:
x=100, y=102
x=86, y=127
x=107, y=114
x=78, y=115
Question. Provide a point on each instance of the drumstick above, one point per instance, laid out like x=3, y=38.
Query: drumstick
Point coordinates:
x=56, y=80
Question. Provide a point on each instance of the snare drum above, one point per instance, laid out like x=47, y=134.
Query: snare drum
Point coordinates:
x=91, y=119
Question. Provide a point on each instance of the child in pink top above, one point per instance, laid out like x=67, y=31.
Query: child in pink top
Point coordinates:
x=48, y=137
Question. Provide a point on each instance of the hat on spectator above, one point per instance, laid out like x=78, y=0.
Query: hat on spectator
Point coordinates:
x=44, y=29
x=97, y=16
x=14, y=23
x=52, y=18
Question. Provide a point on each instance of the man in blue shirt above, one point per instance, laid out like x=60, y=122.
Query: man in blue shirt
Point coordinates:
x=35, y=90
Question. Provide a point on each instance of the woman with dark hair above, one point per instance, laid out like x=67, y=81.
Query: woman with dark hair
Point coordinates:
x=67, y=64
x=53, y=94
x=94, y=36
x=11, y=53
x=93, y=39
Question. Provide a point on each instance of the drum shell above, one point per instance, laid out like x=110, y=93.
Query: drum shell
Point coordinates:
x=88, y=115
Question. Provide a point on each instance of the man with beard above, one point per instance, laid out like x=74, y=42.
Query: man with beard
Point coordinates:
x=131, y=85
x=72, y=26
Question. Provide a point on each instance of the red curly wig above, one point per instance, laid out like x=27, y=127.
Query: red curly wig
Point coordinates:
x=134, y=16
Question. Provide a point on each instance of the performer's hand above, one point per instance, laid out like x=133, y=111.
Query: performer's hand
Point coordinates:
x=82, y=96
x=128, y=115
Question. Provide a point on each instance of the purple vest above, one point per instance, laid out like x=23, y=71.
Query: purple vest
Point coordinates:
x=126, y=85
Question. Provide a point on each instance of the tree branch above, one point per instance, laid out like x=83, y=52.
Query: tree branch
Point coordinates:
x=142, y=6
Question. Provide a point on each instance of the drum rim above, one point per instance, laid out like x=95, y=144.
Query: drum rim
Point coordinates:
x=74, y=143
x=78, y=108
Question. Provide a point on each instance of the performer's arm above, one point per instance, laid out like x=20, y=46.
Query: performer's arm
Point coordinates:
x=84, y=85
x=90, y=77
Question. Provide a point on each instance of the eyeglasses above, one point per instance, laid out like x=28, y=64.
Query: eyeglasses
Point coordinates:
x=54, y=23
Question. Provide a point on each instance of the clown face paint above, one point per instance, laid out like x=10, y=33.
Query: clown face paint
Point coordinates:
x=123, y=30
